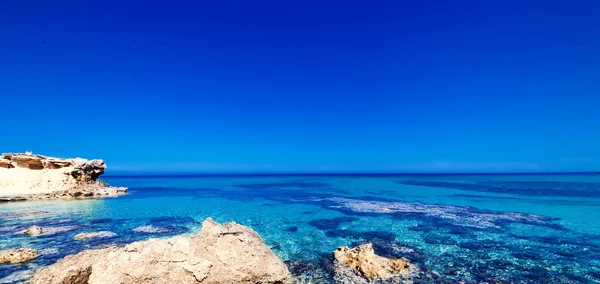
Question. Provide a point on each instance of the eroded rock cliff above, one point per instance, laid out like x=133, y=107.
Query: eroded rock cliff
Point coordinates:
x=28, y=176
x=229, y=253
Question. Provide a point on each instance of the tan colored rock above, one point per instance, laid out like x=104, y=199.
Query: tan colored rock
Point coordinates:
x=229, y=253
x=34, y=231
x=6, y=164
x=58, y=164
x=363, y=260
x=33, y=177
x=18, y=255
x=27, y=161
x=101, y=234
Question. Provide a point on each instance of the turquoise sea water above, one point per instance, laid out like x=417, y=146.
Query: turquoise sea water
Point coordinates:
x=474, y=229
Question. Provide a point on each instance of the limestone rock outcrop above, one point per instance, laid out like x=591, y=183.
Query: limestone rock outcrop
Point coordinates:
x=363, y=261
x=33, y=231
x=30, y=177
x=229, y=253
x=18, y=255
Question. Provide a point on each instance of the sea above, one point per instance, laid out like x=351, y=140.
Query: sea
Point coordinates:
x=519, y=228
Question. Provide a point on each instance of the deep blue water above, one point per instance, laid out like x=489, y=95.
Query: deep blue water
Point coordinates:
x=475, y=229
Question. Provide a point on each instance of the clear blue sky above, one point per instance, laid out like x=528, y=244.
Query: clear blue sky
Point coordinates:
x=297, y=86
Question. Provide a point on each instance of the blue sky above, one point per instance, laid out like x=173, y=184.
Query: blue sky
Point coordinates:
x=304, y=86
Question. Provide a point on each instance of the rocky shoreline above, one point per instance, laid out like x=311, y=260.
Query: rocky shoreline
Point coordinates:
x=228, y=253
x=35, y=177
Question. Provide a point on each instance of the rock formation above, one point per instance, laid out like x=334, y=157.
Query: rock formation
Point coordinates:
x=363, y=261
x=228, y=253
x=34, y=231
x=27, y=176
x=18, y=255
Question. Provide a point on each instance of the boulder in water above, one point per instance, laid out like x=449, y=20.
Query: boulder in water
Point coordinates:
x=363, y=261
x=18, y=255
x=34, y=231
x=229, y=253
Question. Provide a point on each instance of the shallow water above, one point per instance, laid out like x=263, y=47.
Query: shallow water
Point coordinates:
x=476, y=229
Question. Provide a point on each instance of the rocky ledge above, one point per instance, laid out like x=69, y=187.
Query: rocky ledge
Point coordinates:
x=229, y=253
x=33, y=177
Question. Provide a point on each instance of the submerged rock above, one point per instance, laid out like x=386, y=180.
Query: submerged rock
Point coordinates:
x=229, y=253
x=101, y=234
x=18, y=255
x=363, y=261
x=292, y=229
x=150, y=229
x=33, y=177
x=331, y=224
x=34, y=231
x=461, y=216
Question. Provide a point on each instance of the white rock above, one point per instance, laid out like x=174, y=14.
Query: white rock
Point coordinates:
x=34, y=177
x=34, y=231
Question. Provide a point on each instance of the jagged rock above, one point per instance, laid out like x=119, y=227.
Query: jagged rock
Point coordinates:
x=18, y=255
x=101, y=234
x=363, y=261
x=34, y=231
x=33, y=177
x=229, y=253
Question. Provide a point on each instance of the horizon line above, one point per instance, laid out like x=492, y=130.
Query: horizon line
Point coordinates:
x=191, y=175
